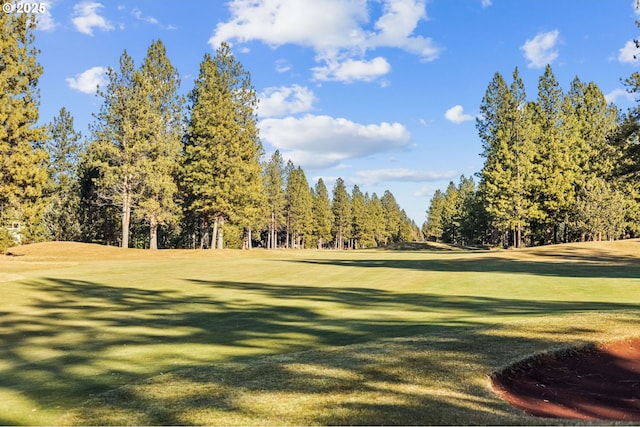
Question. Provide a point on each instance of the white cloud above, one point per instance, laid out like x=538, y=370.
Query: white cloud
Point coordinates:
x=456, y=115
x=86, y=18
x=139, y=16
x=486, y=3
x=282, y=66
x=541, y=50
x=636, y=7
x=615, y=94
x=352, y=70
x=324, y=141
x=281, y=101
x=629, y=54
x=338, y=31
x=376, y=176
x=397, y=25
x=88, y=81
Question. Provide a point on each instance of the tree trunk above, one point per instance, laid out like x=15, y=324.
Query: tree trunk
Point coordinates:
x=204, y=234
x=220, y=222
x=214, y=234
x=126, y=218
x=153, y=233
x=270, y=233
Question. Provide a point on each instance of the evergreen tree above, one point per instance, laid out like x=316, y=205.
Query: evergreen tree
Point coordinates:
x=360, y=233
x=626, y=141
x=61, y=217
x=159, y=83
x=99, y=219
x=273, y=177
x=450, y=215
x=556, y=170
x=322, y=214
x=23, y=161
x=299, y=207
x=393, y=217
x=378, y=222
x=434, y=227
x=119, y=143
x=595, y=121
x=600, y=211
x=341, y=208
x=221, y=172
x=508, y=177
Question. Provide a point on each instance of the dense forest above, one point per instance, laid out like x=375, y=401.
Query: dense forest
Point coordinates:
x=159, y=170
x=562, y=168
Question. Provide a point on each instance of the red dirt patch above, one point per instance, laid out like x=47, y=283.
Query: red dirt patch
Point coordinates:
x=594, y=383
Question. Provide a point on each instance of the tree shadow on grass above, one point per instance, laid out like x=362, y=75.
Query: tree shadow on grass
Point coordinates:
x=579, y=266
x=75, y=339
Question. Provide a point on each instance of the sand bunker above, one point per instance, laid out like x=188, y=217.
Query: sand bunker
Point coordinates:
x=593, y=383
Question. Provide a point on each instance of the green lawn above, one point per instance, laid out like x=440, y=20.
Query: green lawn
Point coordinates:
x=94, y=335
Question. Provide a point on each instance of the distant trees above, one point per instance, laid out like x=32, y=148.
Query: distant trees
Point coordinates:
x=322, y=214
x=147, y=169
x=562, y=167
x=273, y=179
x=556, y=170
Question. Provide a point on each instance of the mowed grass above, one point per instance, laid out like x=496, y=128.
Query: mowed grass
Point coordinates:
x=95, y=335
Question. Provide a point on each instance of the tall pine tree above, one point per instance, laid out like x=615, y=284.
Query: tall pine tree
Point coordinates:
x=159, y=83
x=221, y=173
x=23, y=161
x=508, y=175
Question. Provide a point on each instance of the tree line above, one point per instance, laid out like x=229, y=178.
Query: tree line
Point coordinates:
x=162, y=170
x=558, y=169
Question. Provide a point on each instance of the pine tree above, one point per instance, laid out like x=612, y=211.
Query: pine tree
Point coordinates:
x=64, y=147
x=554, y=143
x=159, y=83
x=341, y=208
x=23, y=161
x=360, y=235
x=378, y=221
x=434, y=227
x=508, y=177
x=221, y=173
x=299, y=207
x=322, y=214
x=119, y=143
x=273, y=177
x=600, y=211
x=393, y=217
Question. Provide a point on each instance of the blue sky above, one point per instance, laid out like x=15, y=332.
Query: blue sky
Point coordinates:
x=382, y=93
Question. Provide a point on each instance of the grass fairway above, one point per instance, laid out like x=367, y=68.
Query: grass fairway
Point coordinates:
x=94, y=335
